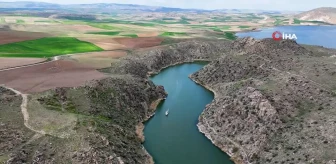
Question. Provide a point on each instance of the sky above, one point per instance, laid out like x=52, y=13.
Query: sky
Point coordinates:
x=293, y=5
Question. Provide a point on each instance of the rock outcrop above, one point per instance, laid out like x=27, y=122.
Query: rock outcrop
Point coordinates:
x=270, y=105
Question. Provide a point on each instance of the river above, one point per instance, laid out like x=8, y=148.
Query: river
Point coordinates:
x=175, y=139
x=311, y=35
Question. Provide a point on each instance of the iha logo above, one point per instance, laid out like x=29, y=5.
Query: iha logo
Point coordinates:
x=277, y=35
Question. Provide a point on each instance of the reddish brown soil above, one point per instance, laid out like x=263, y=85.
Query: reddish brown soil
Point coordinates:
x=104, y=54
x=49, y=75
x=82, y=28
x=139, y=42
x=148, y=34
x=15, y=62
x=104, y=43
x=17, y=36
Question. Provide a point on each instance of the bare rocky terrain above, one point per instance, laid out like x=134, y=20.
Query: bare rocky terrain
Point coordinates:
x=106, y=111
x=324, y=14
x=274, y=103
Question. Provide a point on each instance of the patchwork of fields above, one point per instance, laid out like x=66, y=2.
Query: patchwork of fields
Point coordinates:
x=29, y=43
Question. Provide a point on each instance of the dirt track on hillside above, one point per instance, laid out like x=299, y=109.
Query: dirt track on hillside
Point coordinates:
x=15, y=62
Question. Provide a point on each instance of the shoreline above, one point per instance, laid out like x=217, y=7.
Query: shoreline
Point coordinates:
x=201, y=128
x=149, y=74
x=258, y=29
x=139, y=128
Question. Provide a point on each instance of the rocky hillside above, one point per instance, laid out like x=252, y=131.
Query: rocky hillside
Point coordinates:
x=324, y=14
x=96, y=123
x=143, y=63
x=274, y=102
x=106, y=113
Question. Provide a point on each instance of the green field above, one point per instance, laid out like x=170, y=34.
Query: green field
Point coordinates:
x=46, y=47
x=46, y=21
x=166, y=34
x=130, y=35
x=230, y=35
x=214, y=28
x=244, y=26
x=112, y=33
x=297, y=21
x=281, y=21
x=103, y=26
x=161, y=21
x=19, y=21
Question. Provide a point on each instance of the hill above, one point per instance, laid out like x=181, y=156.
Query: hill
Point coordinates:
x=324, y=14
x=114, y=7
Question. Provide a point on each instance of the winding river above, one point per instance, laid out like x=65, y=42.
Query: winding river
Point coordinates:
x=175, y=139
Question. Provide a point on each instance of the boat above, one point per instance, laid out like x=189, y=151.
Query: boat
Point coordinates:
x=167, y=112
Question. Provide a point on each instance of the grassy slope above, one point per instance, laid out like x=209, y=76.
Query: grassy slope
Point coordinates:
x=46, y=47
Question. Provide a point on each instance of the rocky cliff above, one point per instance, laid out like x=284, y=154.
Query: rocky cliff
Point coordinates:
x=271, y=104
x=142, y=63
x=97, y=123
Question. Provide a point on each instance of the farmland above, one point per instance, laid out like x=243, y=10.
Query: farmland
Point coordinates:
x=28, y=36
x=46, y=47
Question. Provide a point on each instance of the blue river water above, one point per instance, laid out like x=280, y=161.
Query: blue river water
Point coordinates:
x=312, y=35
x=175, y=139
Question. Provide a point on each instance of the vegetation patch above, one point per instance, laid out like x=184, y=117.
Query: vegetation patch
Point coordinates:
x=46, y=21
x=47, y=47
x=161, y=21
x=143, y=24
x=230, y=35
x=20, y=21
x=281, y=21
x=244, y=26
x=104, y=26
x=130, y=35
x=113, y=33
x=173, y=34
x=220, y=19
x=296, y=21
x=216, y=29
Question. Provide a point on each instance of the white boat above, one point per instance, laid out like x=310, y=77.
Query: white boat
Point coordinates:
x=167, y=112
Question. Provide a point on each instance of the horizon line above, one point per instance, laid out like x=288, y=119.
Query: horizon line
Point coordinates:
x=159, y=6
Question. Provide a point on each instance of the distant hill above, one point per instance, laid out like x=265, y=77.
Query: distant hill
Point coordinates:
x=323, y=14
x=98, y=6
x=26, y=4
x=110, y=8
